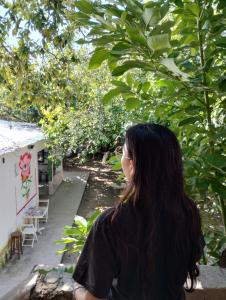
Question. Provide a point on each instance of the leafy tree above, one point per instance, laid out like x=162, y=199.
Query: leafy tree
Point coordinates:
x=78, y=120
x=181, y=45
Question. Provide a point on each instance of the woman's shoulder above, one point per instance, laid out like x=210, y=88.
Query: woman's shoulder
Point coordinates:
x=105, y=215
x=119, y=214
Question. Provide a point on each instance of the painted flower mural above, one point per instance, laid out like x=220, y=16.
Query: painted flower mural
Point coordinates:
x=24, y=164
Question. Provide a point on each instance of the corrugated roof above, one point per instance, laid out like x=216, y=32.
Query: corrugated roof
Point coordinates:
x=14, y=135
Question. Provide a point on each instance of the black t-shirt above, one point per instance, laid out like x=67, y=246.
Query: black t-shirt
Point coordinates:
x=98, y=268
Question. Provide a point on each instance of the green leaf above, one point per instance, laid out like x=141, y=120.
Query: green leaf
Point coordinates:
x=127, y=66
x=167, y=83
x=123, y=17
x=97, y=58
x=120, y=48
x=111, y=94
x=132, y=103
x=194, y=8
x=159, y=42
x=129, y=79
x=134, y=6
x=72, y=231
x=92, y=219
x=112, y=62
x=192, y=109
x=165, y=27
x=164, y=10
x=68, y=240
x=69, y=269
x=104, y=39
x=80, y=221
x=179, y=3
x=216, y=160
x=61, y=251
x=106, y=24
x=84, y=6
x=170, y=64
x=146, y=86
x=190, y=38
x=151, y=16
x=114, y=11
x=120, y=84
x=80, y=15
x=219, y=188
x=59, y=242
x=187, y=121
x=136, y=36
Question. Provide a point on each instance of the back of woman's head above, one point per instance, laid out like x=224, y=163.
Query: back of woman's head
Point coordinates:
x=169, y=220
x=156, y=157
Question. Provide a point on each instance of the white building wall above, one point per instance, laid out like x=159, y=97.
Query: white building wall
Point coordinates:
x=10, y=189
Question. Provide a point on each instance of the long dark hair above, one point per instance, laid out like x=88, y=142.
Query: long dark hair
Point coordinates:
x=169, y=221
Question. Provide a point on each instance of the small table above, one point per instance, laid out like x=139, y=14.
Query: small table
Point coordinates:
x=36, y=213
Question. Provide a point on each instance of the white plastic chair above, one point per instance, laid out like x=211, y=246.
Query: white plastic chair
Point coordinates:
x=44, y=202
x=28, y=234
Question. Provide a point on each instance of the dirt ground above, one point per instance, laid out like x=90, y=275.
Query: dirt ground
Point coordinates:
x=101, y=191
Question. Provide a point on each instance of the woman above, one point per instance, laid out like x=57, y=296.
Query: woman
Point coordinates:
x=146, y=246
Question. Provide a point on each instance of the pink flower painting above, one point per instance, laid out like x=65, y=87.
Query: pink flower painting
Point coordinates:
x=24, y=165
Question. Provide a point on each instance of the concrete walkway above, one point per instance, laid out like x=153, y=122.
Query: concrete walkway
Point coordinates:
x=63, y=207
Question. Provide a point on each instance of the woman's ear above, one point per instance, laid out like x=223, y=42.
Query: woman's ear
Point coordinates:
x=131, y=167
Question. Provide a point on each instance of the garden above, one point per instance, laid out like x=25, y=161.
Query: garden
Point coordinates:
x=86, y=70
